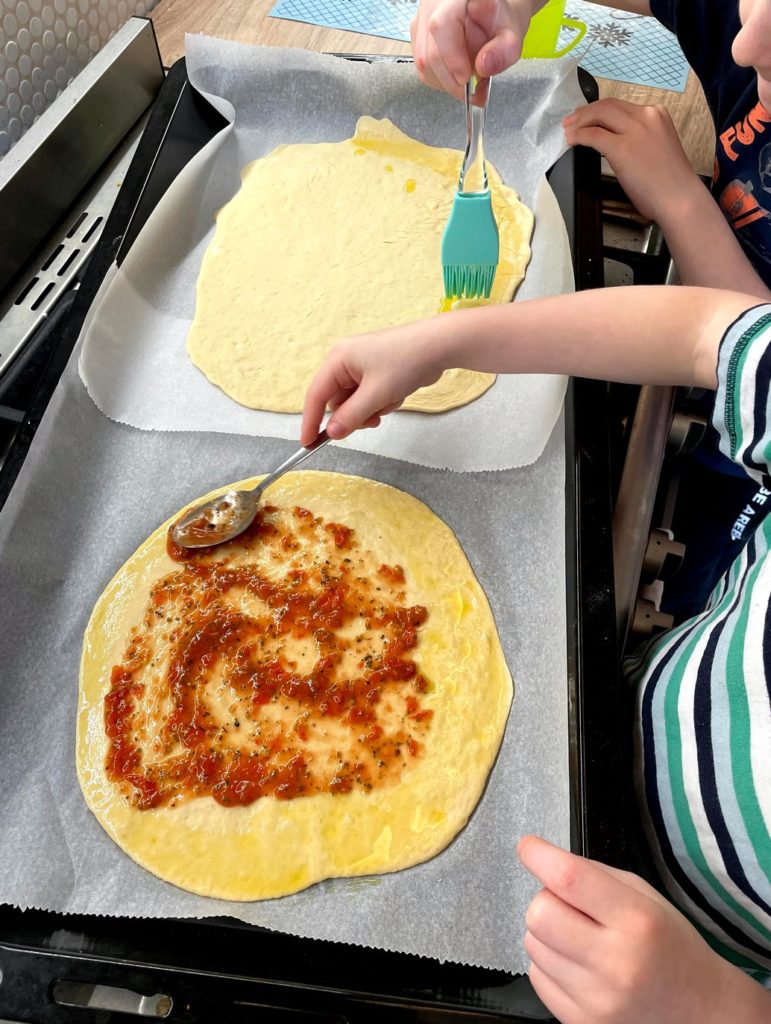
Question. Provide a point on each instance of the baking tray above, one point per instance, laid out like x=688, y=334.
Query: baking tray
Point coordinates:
x=200, y=971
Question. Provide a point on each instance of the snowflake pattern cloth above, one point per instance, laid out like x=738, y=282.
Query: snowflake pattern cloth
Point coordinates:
x=388, y=18
x=626, y=47
x=610, y=35
x=617, y=45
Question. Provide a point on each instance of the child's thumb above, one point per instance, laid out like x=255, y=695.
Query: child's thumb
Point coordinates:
x=503, y=50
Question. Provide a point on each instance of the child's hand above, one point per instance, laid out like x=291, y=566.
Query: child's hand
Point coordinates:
x=606, y=948
x=365, y=377
x=452, y=38
x=642, y=146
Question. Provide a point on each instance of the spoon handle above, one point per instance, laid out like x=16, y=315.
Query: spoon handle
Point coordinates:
x=294, y=460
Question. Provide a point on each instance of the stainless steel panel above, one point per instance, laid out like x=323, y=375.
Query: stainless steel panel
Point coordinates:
x=44, y=44
x=50, y=165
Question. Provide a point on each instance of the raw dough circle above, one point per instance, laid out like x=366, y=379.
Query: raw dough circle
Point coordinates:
x=332, y=239
x=274, y=847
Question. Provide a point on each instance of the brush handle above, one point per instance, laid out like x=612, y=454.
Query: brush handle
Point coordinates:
x=473, y=174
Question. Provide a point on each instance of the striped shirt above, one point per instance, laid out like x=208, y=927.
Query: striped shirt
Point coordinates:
x=703, y=722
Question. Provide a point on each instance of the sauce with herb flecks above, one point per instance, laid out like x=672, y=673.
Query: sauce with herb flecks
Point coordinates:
x=281, y=664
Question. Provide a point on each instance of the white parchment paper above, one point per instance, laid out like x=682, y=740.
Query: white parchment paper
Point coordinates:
x=134, y=362
x=92, y=489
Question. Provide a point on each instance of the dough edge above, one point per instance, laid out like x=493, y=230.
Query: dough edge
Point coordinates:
x=457, y=387
x=273, y=848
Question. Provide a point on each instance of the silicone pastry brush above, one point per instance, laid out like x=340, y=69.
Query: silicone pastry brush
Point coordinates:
x=470, y=240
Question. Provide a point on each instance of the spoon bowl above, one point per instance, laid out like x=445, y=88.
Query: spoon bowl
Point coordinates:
x=229, y=514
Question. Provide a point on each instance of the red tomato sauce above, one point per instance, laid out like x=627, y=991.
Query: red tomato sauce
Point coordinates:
x=215, y=644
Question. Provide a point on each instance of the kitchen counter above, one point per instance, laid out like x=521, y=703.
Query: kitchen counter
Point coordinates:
x=247, y=21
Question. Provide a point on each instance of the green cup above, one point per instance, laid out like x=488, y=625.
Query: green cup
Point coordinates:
x=542, y=36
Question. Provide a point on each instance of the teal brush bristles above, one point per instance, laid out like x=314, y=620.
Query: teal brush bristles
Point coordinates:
x=470, y=247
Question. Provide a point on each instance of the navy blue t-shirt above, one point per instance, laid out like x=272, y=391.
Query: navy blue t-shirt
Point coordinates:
x=741, y=182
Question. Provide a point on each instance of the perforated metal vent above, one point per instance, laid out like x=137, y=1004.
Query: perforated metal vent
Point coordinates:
x=27, y=303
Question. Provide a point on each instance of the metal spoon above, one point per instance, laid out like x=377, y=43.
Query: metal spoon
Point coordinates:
x=229, y=514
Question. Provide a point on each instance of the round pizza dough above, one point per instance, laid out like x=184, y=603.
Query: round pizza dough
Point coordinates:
x=331, y=239
x=273, y=847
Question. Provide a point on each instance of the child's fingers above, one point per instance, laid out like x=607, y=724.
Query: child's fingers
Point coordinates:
x=375, y=419
x=341, y=395
x=561, y=927
x=313, y=413
x=613, y=115
x=448, y=32
x=598, y=139
x=495, y=35
x=365, y=402
x=562, y=970
x=418, y=32
x=324, y=387
x=634, y=881
x=441, y=72
x=577, y=881
x=553, y=996
x=503, y=50
x=390, y=408
x=420, y=35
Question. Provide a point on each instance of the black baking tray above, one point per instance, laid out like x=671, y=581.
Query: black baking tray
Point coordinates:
x=221, y=969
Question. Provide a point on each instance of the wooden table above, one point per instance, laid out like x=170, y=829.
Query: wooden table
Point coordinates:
x=247, y=21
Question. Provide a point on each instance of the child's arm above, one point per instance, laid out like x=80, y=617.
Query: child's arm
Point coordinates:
x=447, y=35
x=643, y=148
x=637, y=334
x=606, y=948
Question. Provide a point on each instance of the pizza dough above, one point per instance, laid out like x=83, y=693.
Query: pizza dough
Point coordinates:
x=331, y=239
x=444, y=721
